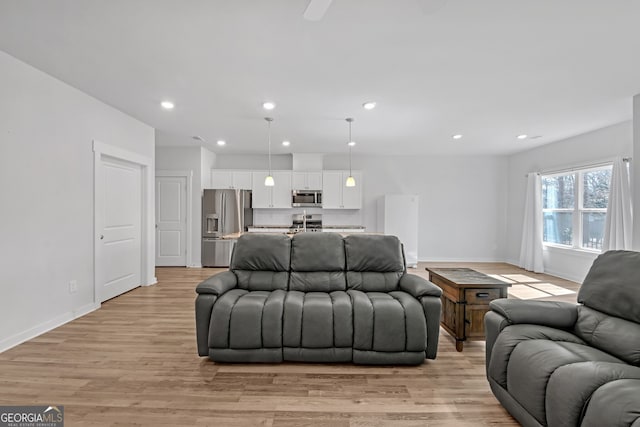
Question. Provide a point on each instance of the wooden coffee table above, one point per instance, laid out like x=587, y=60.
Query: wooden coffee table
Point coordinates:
x=466, y=294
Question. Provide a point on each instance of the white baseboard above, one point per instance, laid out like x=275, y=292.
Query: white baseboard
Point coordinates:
x=195, y=266
x=564, y=275
x=513, y=262
x=461, y=260
x=43, y=327
x=153, y=282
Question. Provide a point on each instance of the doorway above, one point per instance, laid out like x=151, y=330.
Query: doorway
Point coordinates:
x=121, y=222
x=173, y=218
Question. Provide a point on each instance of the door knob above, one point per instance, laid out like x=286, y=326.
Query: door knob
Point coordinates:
x=101, y=236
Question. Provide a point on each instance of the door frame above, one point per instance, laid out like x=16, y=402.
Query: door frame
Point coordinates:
x=147, y=203
x=188, y=174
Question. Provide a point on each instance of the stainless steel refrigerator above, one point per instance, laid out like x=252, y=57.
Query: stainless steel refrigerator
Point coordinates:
x=224, y=213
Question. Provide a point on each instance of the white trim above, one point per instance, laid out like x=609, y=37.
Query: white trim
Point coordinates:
x=575, y=252
x=188, y=174
x=147, y=242
x=46, y=326
x=435, y=259
x=121, y=153
x=512, y=261
x=563, y=275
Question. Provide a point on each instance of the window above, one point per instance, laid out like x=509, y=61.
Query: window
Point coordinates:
x=574, y=206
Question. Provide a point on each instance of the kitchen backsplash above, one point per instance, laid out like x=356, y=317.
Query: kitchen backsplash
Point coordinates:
x=329, y=216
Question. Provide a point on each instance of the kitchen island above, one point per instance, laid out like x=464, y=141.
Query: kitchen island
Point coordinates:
x=292, y=230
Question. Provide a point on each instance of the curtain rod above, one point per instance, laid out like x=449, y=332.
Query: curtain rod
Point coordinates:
x=575, y=168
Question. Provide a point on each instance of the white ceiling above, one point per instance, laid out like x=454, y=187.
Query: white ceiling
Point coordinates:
x=489, y=69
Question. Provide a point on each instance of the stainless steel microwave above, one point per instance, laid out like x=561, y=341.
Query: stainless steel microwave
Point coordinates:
x=306, y=199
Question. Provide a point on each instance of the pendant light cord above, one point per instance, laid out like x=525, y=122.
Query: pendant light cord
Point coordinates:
x=269, y=121
x=350, y=174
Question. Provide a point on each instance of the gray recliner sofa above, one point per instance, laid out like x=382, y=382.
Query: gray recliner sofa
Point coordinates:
x=562, y=364
x=318, y=297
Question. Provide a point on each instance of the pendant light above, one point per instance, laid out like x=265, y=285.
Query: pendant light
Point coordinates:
x=268, y=181
x=351, y=181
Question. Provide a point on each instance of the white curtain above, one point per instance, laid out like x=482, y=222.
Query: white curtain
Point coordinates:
x=531, y=249
x=617, y=225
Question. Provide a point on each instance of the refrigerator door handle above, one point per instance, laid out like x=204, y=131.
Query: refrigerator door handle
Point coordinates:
x=223, y=213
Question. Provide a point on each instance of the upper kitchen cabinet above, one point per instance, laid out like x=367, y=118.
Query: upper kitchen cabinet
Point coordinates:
x=336, y=195
x=276, y=197
x=234, y=179
x=306, y=180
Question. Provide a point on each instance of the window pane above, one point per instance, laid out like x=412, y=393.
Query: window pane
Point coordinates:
x=557, y=192
x=596, y=188
x=592, y=229
x=558, y=227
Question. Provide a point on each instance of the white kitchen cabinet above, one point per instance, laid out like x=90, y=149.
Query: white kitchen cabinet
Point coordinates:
x=260, y=194
x=306, y=180
x=336, y=195
x=233, y=179
x=276, y=197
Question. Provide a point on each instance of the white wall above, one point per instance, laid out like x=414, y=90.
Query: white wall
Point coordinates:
x=46, y=171
x=191, y=159
x=462, y=200
x=253, y=161
x=593, y=147
x=207, y=162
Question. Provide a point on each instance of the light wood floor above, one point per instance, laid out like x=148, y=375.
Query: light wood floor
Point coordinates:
x=133, y=362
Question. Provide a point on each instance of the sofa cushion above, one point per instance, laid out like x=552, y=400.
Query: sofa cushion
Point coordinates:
x=611, y=334
x=241, y=319
x=512, y=336
x=317, y=263
x=317, y=320
x=261, y=261
x=612, y=285
x=533, y=362
x=317, y=252
x=615, y=404
x=375, y=263
x=387, y=322
x=571, y=386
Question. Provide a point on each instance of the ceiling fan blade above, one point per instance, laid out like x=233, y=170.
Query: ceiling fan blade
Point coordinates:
x=431, y=6
x=316, y=9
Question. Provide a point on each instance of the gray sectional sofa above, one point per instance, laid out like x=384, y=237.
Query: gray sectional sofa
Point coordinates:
x=318, y=297
x=561, y=364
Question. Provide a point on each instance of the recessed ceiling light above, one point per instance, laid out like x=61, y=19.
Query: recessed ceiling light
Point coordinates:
x=286, y=143
x=268, y=105
x=220, y=142
x=456, y=136
x=369, y=105
x=351, y=143
x=523, y=136
x=167, y=105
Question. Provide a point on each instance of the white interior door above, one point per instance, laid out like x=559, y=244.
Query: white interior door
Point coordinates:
x=171, y=220
x=118, y=222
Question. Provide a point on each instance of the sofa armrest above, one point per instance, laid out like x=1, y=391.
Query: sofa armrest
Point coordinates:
x=208, y=292
x=418, y=286
x=218, y=284
x=561, y=315
x=429, y=296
